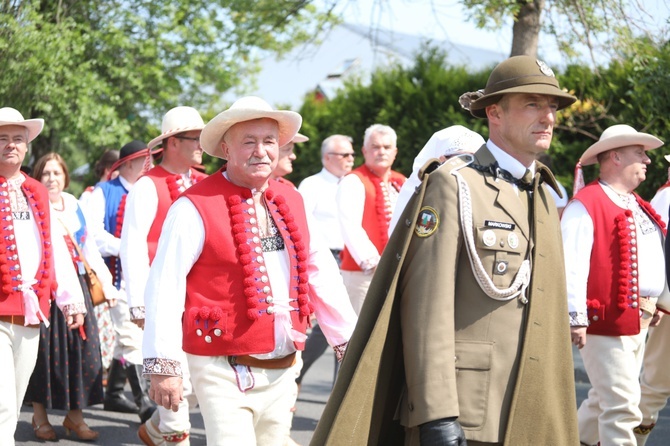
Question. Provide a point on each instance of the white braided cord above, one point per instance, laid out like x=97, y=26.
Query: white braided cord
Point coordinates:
x=522, y=278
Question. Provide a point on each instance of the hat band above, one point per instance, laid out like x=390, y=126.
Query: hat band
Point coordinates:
x=525, y=80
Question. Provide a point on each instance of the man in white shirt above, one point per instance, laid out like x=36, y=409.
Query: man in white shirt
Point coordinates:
x=235, y=280
x=145, y=211
x=655, y=379
x=613, y=244
x=106, y=207
x=365, y=200
x=319, y=192
x=31, y=259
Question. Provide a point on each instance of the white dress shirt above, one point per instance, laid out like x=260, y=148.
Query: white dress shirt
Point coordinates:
x=96, y=210
x=319, y=193
x=351, y=204
x=180, y=246
x=661, y=203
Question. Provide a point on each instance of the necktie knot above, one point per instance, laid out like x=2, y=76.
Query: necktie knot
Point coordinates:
x=527, y=178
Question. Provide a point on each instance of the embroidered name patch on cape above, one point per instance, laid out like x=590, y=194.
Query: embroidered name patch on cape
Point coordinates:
x=427, y=222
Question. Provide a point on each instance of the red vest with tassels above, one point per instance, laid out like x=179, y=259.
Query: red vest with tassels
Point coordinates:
x=375, y=218
x=613, y=271
x=168, y=187
x=11, y=297
x=228, y=308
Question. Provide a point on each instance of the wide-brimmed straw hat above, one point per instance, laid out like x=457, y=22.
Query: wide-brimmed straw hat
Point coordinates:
x=518, y=74
x=247, y=109
x=178, y=120
x=11, y=116
x=299, y=137
x=620, y=135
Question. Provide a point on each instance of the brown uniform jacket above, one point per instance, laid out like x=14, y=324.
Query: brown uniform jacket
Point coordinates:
x=431, y=344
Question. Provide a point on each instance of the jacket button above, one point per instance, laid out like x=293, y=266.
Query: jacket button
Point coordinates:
x=410, y=406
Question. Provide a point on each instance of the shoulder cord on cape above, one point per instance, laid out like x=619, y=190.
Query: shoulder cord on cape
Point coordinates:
x=522, y=279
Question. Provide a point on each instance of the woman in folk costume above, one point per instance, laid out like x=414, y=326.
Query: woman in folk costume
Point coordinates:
x=68, y=374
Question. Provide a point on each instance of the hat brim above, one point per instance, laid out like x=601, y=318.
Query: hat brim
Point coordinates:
x=34, y=126
x=299, y=137
x=210, y=138
x=478, y=107
x=649, y=142
x=157, y=140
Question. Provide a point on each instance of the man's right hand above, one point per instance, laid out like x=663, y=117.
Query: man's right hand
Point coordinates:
x=166, y=391
x=443, y=432
x=578, y=336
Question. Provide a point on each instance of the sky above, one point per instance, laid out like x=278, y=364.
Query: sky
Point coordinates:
x=446, y=20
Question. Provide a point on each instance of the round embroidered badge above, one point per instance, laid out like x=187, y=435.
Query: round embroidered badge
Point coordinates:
x=427, y=222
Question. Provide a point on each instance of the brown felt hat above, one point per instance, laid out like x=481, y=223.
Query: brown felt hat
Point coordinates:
x=519, y=74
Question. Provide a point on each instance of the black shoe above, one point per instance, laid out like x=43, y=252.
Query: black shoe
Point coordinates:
x=140, y=388
x=115, y=398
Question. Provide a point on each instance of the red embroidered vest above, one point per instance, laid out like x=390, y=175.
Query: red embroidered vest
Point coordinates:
x=375, y=217
x=11, y=296
x=612, y=282
x=168, y=188
x=228, y=308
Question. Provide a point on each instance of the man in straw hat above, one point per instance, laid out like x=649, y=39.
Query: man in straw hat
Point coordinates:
x=30, y=265
x=286, y=158
x=107, y=208
x=235, y=280
x=613, y=242
x=463, y=333
x=145, y=210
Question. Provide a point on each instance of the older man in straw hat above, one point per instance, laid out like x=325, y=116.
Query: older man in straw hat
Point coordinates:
x=613, y=242
x=239, y=292
x=30, y=264
x=145, y=210
x=463, y=333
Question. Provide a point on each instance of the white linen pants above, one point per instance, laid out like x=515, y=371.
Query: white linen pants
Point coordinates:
x=128, y=347
x=18, y=355
x=610, y=412
x=259, y=416
x=357, y=284
x=655, y=378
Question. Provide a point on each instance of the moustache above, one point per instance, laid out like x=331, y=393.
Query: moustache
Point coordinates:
x=264, y=160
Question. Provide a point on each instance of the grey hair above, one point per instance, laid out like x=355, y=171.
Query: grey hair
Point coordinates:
x=328, y=143
x=381, y=129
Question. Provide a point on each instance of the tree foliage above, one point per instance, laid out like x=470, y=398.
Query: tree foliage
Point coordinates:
x=103, y=72
x=419, y=100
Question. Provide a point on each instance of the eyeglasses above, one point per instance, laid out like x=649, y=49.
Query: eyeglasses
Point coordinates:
x=343, y=155
x=189, y=138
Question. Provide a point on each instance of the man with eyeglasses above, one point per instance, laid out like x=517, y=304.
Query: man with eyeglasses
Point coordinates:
x=366, y=199
x=146, y=208
x=319, y=192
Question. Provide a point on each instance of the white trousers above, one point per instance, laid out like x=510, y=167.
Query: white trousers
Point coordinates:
x=129, y=336
x=357, y=284
x=610, y=412
x=18, y=355
x=655, y=378
x=259, y=416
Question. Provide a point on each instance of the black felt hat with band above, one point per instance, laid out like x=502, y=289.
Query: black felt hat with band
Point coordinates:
x=134, y=149
x=519, y=74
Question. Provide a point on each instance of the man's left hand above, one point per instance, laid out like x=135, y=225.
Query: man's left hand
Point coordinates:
x=167, y=391
x=656, y=319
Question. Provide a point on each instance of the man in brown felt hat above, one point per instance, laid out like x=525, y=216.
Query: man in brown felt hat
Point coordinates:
x=463, y=334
